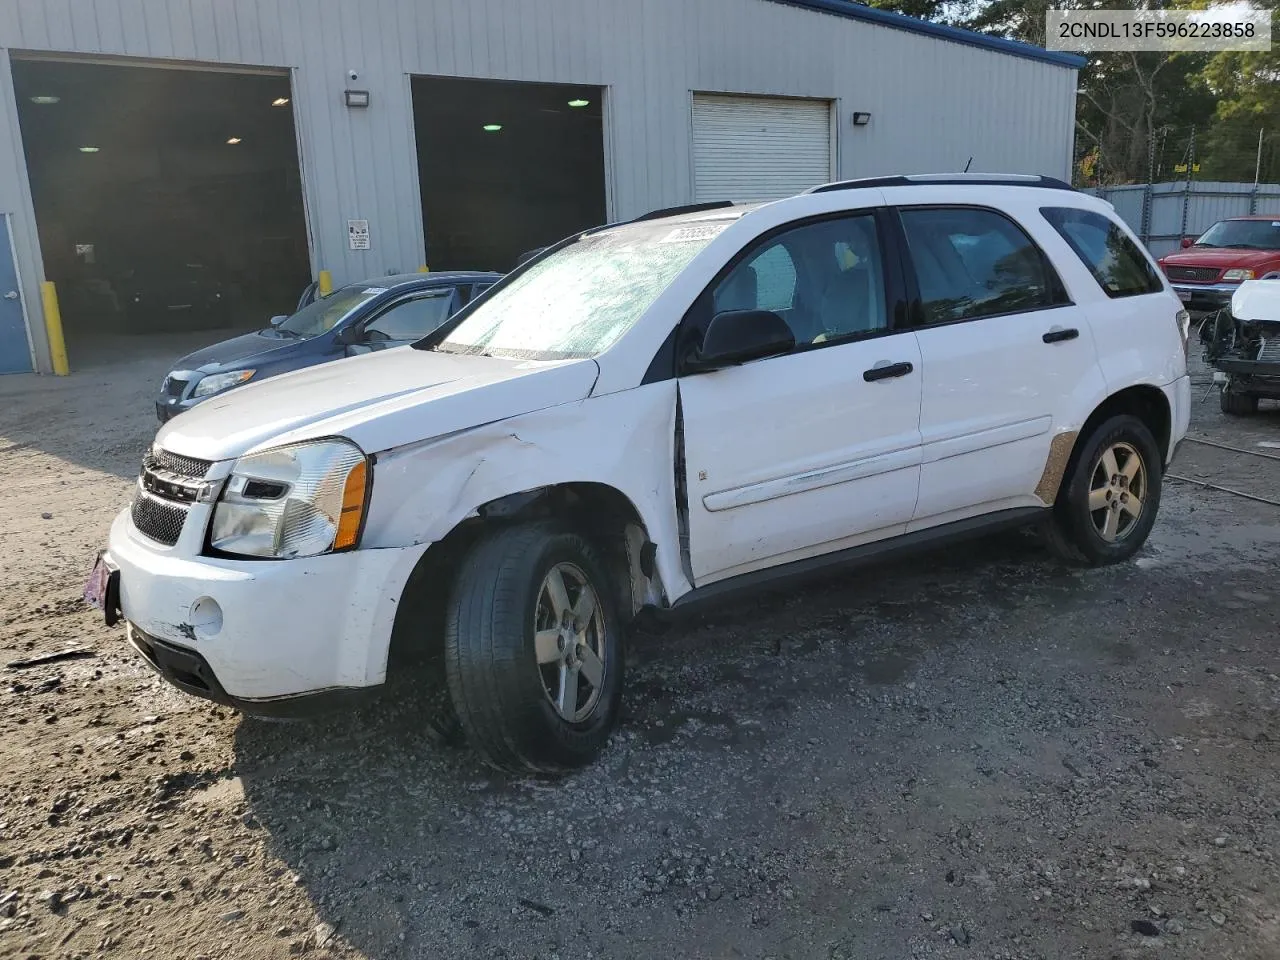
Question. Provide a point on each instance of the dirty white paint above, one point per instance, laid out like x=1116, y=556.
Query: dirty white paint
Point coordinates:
x=935, y=103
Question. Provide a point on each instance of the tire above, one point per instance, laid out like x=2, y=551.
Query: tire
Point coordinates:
x=1110, y=534
x=500, y=691
x=1237, y=404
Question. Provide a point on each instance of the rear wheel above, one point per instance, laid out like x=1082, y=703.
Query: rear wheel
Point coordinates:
x=533, y=649
x=1108, y=505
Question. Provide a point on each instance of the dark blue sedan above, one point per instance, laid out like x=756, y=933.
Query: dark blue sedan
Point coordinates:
x=358, y=318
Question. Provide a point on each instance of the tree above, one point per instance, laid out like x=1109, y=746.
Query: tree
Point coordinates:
x=1246, y=87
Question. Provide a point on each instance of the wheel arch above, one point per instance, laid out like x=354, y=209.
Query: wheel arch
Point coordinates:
x=1144, y=401
x=598, y=511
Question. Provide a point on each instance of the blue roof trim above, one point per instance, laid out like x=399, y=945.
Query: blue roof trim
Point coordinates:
x=899, y=21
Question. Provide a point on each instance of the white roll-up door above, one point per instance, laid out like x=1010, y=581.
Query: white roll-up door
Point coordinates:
x=759, y=148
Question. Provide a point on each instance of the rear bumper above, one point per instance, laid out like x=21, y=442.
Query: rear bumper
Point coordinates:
x=1178, y=393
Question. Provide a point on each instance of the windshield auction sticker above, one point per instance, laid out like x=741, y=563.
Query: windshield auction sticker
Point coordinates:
x=702, y=231
x=1235, y=26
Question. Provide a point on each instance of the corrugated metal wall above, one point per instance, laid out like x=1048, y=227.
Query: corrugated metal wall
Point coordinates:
x=1207, y=202
x=934, y=103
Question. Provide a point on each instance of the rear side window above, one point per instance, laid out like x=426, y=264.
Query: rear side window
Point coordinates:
x=1114, y=260
x=972, y=262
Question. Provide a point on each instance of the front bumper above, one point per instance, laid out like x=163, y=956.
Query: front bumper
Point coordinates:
x=260, y=631
x=1205, y=297
x=169, y=407
x=190, y=672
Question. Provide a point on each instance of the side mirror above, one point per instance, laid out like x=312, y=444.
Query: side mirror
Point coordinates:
x=347, y=336
x=276, y=321
x=737, y=336
x=1187, y=241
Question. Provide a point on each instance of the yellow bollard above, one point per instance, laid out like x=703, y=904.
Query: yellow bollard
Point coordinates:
x=53, y=327
x=326, y=283
x=424, y=269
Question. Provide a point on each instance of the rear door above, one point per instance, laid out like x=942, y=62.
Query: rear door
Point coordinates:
x=1135, y=317
x=1004, y=356
x=798, y=455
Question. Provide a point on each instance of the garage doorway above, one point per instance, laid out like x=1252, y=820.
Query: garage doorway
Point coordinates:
x=167, y=200
x=759, y=148
x=506, y=167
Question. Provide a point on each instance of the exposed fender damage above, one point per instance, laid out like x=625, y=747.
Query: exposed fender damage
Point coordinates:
x=1242, y=342
x=514, y=460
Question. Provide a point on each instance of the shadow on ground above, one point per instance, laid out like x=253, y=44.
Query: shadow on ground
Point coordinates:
x=751, y=737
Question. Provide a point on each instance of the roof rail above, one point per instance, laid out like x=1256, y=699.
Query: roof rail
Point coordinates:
x=947, y=179
x=687, y=208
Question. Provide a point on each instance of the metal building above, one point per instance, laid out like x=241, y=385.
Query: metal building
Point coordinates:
x=396, y=153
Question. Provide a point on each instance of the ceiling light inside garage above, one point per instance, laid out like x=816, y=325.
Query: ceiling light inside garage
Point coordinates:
x=233, y=140
x=492, y=127
x=45, y=99
x=88, y=149
x=279, y=101
x=579, y=103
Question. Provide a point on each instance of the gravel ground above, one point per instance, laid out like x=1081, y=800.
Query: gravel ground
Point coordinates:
x=973, y=753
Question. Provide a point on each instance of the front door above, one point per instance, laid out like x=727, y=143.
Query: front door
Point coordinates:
x=15, y=352
x=407, y=320
x=807, y=453
x=1005, y=357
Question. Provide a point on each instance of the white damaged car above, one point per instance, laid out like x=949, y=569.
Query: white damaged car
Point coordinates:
x=646, y=415
x=1242, y=343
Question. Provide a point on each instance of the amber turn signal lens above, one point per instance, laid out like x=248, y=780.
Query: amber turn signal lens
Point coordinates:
x=352, y=507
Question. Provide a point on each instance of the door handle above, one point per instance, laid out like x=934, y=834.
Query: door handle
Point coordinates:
x=1059, y=334
x=887, y=371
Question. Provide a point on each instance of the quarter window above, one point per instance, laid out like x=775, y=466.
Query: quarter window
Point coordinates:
x=1114, y=260
x=826, y=279
x=972, y=263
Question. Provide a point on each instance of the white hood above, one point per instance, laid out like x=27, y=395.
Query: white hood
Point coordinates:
x=1257, y=300
x=380, y=400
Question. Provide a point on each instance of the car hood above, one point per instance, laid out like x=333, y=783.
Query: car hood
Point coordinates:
x=1257, y=300
x=379, y=400
x=1219, y=258
x=237, y=349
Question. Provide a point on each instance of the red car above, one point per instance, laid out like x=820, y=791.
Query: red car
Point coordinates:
x=1208, y=270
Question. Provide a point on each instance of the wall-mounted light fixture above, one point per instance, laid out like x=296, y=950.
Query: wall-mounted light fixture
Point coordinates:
x=861, y=118
x=357, y=98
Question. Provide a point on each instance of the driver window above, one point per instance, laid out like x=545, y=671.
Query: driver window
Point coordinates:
x=825, y=279
x=412, y=319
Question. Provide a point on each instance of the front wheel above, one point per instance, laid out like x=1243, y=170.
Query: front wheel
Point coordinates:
x=533, y=650
x=1108, y=505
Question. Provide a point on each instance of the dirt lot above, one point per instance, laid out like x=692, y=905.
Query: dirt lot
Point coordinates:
x=974, y=753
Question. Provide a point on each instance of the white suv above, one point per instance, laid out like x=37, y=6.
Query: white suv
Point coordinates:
x=648, y=414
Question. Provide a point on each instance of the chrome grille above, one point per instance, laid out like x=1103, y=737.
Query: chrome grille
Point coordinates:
x=1269, y=350
x=188, y=467
x=1194, y=274
x=158, y=519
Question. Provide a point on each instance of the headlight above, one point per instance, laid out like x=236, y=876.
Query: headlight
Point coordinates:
x=297, y=501
x=1238, y=275
x=218, y=382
